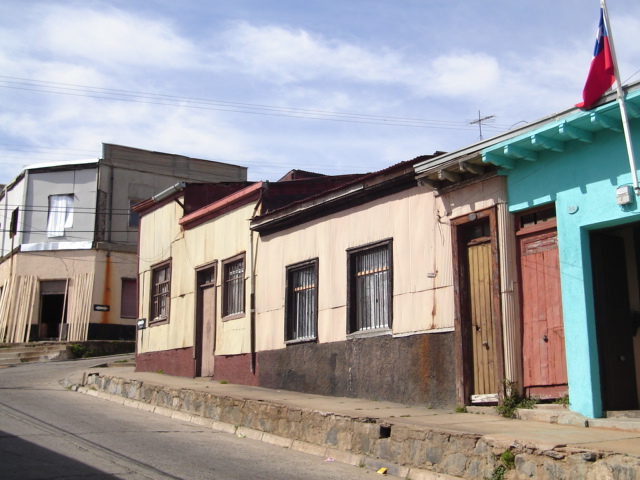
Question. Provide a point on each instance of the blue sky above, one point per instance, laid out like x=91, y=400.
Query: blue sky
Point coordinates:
x=328, y=86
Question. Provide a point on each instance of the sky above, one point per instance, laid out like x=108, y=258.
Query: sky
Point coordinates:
x=328, y=86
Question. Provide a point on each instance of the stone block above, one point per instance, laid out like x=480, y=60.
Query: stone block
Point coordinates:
x=524, y=467
x=383, y=449
x=276, y=440
x=250, y=433
x=345, y=457
x=433, y=455
x=309, y=448
x=185, y=417
x=331, y=437
x=223, y=427
x=455, y=464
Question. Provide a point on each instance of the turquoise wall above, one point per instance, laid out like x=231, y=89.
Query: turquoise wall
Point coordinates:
x=584, y=175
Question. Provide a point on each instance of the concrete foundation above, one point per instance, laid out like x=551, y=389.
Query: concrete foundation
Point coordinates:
x=413, y=370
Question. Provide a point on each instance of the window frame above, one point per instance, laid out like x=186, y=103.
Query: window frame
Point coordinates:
x=133, y=214
x=155, y=319
x=124, y=280
x=353, y=254
x=290, y=298
x=13, y=224
x=226, y=315
x=58, y=229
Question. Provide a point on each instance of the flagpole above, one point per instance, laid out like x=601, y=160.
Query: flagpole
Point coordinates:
x=621, y=101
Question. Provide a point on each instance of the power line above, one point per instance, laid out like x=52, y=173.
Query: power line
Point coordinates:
x=221, y=105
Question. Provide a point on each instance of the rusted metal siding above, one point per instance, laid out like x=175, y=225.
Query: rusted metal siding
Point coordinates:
x=217, y=240
x=160, y=240
x=422, y=281
x=509, y=295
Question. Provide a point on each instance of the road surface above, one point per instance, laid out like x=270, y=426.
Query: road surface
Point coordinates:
x=49, y=432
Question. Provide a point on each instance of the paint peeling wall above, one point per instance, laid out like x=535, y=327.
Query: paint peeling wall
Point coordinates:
x=422, y=274
x=161, y=240
x=214, y=241
x=211, y=242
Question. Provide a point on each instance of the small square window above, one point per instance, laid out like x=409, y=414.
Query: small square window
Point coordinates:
x=302, y=301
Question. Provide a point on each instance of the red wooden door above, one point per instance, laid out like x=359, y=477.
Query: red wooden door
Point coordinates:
x=543, y=352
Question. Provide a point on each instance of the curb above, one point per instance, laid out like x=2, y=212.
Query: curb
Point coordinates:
x=405, y=450
x=296, y=445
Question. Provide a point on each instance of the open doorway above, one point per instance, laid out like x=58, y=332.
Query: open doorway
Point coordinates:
x=52, y=309
x=615, y=253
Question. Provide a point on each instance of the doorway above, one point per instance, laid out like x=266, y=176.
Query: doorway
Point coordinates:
x=615, y=254
x=478, y=314
x=52, y=309
x=205, y=340
x=543, y=346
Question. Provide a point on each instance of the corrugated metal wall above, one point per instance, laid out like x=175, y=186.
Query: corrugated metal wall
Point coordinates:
x=422, y=273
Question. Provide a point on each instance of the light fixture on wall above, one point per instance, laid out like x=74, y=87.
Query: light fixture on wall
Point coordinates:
x=624, y=195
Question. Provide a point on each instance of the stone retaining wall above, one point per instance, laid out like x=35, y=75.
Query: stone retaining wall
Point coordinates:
x=407, y=451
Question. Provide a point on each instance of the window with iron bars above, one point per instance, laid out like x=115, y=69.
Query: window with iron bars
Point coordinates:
x=160, y=289
x=370, y=287
x=302, y=301
x=233, y=287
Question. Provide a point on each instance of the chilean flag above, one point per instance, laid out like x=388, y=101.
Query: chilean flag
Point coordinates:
x=601, y=73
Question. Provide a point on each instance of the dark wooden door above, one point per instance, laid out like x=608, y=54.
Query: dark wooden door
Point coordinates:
x=543, y=351
x=613, y=322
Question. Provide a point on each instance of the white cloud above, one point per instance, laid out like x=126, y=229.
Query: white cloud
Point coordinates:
x=111, y=37
x=283, y=56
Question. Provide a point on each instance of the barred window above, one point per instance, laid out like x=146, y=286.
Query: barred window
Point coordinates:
x=160, y=289
x=302, y=301
x=370, y=288
x=233, y=287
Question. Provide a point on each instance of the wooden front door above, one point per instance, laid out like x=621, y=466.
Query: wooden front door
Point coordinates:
x=479, y=360
x=543, y=352
x=205, y=322
x=483, y=346
x=614, y=328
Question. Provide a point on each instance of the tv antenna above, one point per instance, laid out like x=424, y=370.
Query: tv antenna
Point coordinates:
x=481, y=120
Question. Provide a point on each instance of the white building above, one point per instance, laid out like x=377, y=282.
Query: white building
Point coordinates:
x=69, y=239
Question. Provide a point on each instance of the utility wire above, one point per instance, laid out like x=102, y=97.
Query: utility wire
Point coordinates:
x=208, y=104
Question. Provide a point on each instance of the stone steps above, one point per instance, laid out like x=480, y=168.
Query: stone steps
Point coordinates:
x=15, y=354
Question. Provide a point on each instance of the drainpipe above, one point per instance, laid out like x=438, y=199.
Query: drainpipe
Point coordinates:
x=110, y=207
x=252, y=292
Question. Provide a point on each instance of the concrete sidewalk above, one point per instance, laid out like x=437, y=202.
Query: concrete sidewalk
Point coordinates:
x=411, y=442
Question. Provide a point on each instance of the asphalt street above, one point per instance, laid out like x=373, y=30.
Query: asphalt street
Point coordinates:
x=49, y=432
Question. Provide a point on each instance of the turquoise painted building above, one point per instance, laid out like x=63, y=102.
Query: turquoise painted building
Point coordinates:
x=574, y=168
